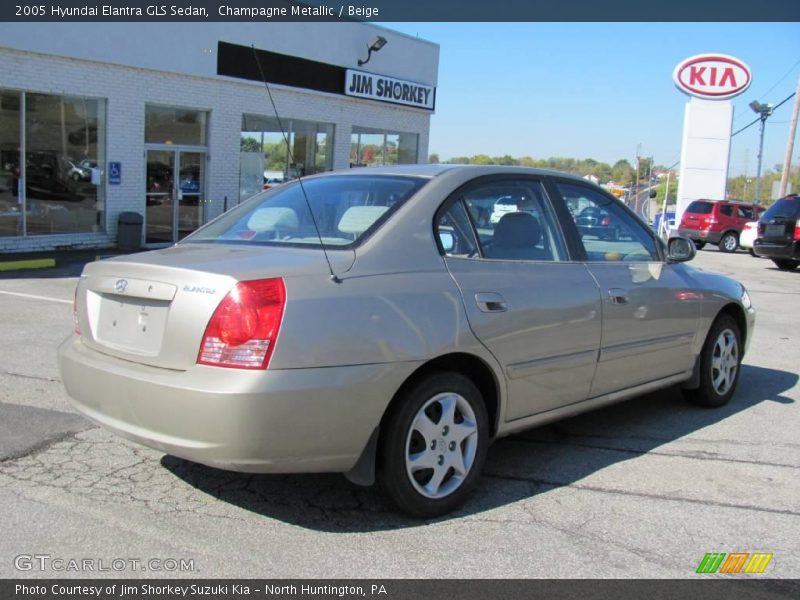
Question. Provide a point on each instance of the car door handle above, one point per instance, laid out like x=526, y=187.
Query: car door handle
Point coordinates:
x=490, y=302
x=617, y=296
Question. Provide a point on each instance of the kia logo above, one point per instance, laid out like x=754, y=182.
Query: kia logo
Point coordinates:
x=712, y=76
x=121, y=285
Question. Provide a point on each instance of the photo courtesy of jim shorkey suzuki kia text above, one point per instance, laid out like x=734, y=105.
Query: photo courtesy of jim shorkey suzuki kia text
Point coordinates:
x=125, y=590
x=173, y=10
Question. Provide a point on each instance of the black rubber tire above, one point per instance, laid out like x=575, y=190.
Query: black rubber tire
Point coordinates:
x=786, y=264
x=392, y=476
x=705, y=395
x=699, y=245
x=729, y=242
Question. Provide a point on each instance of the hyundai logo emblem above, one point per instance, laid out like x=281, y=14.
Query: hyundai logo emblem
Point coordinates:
x=121, y=285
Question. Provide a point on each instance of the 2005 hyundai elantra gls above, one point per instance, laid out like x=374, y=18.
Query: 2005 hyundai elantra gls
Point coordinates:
x=378, y=322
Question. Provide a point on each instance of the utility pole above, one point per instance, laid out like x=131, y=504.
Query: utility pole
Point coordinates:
x=764, y=111
x=636, y=189
x=787, y=162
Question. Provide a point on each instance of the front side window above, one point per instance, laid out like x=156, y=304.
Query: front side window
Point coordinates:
x=346, y=210
x=606, y=230
x=511, y=218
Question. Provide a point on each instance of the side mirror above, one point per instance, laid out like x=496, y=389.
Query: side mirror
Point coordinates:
x=680, y=249
x=448, y=240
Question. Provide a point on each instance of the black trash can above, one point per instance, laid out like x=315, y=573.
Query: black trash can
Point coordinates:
x=129, y=232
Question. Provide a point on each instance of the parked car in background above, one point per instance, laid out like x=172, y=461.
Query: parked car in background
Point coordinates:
x=362, y=322
x=717, y=222
x=748, y=235
x=595, y=221
x=779, y=233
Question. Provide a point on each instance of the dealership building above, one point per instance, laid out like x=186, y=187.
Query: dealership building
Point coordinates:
x=173, y=121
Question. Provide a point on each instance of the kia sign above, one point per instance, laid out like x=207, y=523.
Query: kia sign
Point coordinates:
x=712, y=76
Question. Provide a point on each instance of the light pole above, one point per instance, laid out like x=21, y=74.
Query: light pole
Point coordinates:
x=763, y=111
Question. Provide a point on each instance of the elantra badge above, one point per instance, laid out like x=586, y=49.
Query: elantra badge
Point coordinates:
x=121, y=285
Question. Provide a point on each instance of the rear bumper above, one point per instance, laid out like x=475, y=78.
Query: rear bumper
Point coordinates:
x=790, y=250
x=292, y=420
x=700, y=235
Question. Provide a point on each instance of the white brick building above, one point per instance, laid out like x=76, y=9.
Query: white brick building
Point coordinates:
x=155, y=99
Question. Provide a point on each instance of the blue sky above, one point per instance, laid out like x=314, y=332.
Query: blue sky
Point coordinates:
x=597, y=90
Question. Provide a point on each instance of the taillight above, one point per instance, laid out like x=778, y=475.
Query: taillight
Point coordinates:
x=76, y=326
x=242, y=331
x=797, y=230
x=606, y=221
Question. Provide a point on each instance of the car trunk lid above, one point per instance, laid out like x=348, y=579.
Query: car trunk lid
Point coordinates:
x=153, y=308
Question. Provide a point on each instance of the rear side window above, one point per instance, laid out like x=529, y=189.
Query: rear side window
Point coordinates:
x=699, y=207
x=345, y=209
x=508, y=220
x=785, y=207
x=726, y=210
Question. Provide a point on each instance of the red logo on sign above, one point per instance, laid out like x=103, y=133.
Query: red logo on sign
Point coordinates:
x=712, y=76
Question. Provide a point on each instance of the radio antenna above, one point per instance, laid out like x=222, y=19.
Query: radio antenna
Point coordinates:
x=290, y=154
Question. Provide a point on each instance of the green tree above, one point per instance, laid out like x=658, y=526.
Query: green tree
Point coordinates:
x=249, y=144
x=433, y=159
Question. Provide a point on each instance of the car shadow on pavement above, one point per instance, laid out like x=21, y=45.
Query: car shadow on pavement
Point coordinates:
x=517, y=468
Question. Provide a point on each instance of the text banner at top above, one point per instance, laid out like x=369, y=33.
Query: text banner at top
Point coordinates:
x=407, y=10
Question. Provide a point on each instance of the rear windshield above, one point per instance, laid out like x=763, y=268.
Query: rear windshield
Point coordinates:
x=346, y=208
x=699, y=207
x=785, y=207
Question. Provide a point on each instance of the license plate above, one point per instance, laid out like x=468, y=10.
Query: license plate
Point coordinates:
x=774, y=230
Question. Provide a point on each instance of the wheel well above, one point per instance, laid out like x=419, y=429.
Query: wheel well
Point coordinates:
x=737, y=314
x=469, y=366
x=731, y=231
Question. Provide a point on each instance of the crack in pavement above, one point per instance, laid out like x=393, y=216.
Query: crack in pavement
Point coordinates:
x=650, y=452
x=35, y=377
x=603, y=490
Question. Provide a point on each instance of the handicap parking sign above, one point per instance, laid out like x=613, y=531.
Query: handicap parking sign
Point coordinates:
x=115, y=173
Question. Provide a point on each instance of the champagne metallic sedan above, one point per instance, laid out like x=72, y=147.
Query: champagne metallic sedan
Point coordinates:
x=374, y=322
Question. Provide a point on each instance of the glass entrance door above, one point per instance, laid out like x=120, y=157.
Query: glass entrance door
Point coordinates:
x=175, y=184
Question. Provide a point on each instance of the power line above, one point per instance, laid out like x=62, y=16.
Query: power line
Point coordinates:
x=774, y=108
x=785, y=75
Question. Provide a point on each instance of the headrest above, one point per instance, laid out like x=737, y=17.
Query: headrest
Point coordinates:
x=517, y=230
x=271, y=218
x=357, y=219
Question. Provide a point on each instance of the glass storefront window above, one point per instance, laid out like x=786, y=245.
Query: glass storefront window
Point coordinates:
x=10, y=199
x=375, y=148
x=59, y=188
x=179, y=126
x=264, y=160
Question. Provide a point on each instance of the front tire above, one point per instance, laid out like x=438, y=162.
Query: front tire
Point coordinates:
x=699, y=245
x=434, y=445
x=720, y=363
x=786, y=264
x=729, y=242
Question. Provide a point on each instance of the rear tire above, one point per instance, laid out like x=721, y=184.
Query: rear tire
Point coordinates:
x=720, y=363
x=729, y=242
x=433, y=445
x=786, y=264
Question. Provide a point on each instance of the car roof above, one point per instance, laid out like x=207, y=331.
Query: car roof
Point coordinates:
x=433, y=170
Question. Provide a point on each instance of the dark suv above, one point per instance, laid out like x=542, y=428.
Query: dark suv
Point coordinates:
x=779, y=233
x=717, y=222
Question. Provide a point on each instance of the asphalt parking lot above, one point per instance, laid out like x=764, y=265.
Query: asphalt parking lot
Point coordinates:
x=643, y=489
